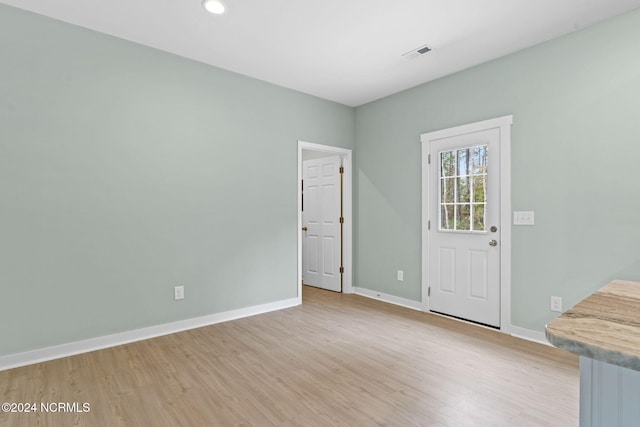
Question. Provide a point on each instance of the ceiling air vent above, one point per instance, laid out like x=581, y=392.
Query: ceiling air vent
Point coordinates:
x=415, y=53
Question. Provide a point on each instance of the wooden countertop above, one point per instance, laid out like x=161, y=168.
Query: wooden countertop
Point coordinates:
x=604, y=326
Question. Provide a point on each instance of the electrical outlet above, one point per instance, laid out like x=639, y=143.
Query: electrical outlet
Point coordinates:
x=178, y=292
x=556, y=304
x=400, y=275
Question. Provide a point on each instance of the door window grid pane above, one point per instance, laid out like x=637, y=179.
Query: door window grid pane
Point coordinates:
x=463, y=207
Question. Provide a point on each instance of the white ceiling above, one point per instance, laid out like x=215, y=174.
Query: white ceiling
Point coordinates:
x=348, y=51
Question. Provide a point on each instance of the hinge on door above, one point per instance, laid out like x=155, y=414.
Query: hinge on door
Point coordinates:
x=302, y=185
x=429, y=159
x=341, y=270
x=429, y=225
x=429, y=291
x=341, y=220
x=341, y=169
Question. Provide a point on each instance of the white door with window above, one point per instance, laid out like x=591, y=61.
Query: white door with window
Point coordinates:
x=321, y=199
x=464, y=226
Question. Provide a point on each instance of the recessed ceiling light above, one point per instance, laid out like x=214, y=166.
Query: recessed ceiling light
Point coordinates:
x=214, y=6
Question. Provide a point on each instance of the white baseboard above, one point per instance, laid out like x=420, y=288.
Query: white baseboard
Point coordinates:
x=529, y=335
x=515, y=331
x=392, y=299
x=92, y=344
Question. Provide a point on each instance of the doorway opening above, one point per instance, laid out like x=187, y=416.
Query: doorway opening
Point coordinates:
x=329, y=228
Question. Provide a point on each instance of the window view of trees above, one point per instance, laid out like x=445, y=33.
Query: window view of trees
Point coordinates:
x=463, y=189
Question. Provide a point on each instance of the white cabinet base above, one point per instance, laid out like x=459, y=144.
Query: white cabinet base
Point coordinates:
x=609, y=395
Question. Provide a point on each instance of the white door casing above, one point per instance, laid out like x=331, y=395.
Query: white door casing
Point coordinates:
x=321, y=223
x=464, y=270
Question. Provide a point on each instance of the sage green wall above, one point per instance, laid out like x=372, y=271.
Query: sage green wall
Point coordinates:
x=125, y=171
x=576, y=144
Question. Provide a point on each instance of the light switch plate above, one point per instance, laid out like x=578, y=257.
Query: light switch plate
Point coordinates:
x=523, y=218
x=178, y=292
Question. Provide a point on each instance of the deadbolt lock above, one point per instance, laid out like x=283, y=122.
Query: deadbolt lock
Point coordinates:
x=493, y=229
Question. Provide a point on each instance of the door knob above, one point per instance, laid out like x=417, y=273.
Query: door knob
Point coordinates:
x=493, y=243
x=304, y=228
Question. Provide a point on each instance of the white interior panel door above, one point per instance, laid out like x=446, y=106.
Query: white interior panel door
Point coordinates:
x=464, y=234
x=321, y=223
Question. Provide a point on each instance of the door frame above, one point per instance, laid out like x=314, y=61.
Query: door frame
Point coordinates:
x=503, y=124
x=347, y=211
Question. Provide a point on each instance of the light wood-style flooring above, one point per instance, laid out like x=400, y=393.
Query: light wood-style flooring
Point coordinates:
x=336, y=360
